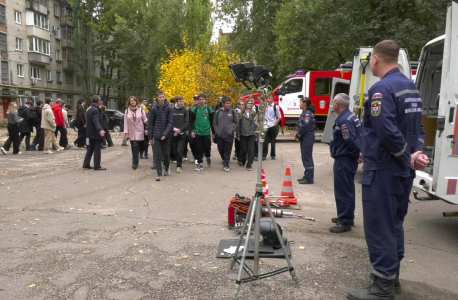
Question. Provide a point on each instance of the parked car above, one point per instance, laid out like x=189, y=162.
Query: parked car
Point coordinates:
x=116, y=121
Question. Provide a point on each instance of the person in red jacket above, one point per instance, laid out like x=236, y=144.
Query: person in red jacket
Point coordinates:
x=60, y=123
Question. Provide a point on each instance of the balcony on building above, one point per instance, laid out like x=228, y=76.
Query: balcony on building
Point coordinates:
x=40, y=6
x=40, y=59
x=66, y=43
x=66, y=20
x=68, y=65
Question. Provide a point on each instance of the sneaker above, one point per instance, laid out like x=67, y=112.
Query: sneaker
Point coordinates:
x=179, y=170
x=3, y=151
x=195, y=162
x=264, y=158
x=141, y=156
x=234, y=157
x=339, y=228
x=167, y=171
x=153, y=166
x=125, y=145
x=199, y=167
x=60, y=149
x=256, y=158
x=159, y=178
x=17, y=153
x=272, y=158
x=68, y=147
x=226, y=169
x=48, y=152
x=174, y=162
x=248, y=168
x=185, y=158
x=240, y=163
x=209, y=161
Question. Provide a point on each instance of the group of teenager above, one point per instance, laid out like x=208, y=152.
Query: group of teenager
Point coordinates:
x=170, y=126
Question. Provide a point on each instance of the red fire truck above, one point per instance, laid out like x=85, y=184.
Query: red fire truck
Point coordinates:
x=314, y=84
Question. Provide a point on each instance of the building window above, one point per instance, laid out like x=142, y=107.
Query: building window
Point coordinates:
x=70, y=100
x=59, y=96
x=5, y=72
x=48, y=75
x=40, y=21
x=2, y=15
x=17, y=17
x=56, y=10
x=78, y=79
x=67, y=32
x=67, y=12
x=58, y=58
x=58, y=77
x=20, y=70
x=3, y=43
x=48, y=96
x=18, y=44
x=35, y=73
x=68, y=78
x=22, y=98
x=39, y=45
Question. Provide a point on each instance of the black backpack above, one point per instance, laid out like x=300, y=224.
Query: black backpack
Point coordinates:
x=33, y=118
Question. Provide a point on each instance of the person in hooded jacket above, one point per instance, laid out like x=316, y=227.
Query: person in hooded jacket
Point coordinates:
x=245, y=133
x=60, y=123
x=48, y=123
x=25, y=128
x=13, y=130
x=305, y=134
x=160, y=123
x=39, y=139
x=180, y=126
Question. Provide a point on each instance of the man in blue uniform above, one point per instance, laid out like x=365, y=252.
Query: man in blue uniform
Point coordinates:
x=345, y=149
x=391, y=147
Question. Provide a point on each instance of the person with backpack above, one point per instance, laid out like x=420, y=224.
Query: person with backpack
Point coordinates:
x=60, y=123
x=39, y=139
x=245, y=133
x=273, y=117
x=80, y=142
x=160, y=123
x=134, y=118
x=180, y=126
x=201, y=119
x=225, y=124
x=106, y=120
x=26, y=126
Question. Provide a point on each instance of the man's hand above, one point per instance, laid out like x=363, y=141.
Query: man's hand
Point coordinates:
x=296, y=138
x=360, y=160
x=418, y=161
x=84, y=126
x=163, y=138
x=127, y=136
x=102, y=133
x=193, y=135
x=151, y=142
x=213, y=136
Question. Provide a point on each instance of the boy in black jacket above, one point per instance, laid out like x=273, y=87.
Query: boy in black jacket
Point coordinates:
x=180, y=126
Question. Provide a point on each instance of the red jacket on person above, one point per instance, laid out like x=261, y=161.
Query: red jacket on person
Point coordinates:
x=57, y=110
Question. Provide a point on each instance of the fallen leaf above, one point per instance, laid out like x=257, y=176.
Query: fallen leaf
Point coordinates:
x=135, y=245
x=177, y=265
x=117, y=234
x=87, y=252
x=32, y=285
x=160, y=274
x=196, y=254
x=302, y=247
x=162, y=228
x=185, y=257
x=261, y=263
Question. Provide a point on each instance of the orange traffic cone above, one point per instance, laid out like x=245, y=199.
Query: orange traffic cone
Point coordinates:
x=287, y=190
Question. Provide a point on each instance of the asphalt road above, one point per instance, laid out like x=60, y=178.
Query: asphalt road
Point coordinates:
x=68, y=233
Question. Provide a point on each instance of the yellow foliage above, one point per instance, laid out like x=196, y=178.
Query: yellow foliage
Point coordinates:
x=189, y=72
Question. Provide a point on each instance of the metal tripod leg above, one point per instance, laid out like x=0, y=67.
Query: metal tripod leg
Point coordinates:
x=245, y=224
x=288, y=259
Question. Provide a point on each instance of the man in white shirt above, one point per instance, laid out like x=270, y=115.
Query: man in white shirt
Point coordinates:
x=273, y=117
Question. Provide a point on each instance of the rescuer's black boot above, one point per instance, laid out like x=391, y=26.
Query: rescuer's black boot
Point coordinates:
x=397, y=283
x=380, y=289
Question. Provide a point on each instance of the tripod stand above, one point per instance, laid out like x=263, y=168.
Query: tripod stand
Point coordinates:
x=253, y=219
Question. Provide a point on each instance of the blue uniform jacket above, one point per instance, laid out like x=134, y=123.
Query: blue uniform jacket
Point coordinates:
x=392, y=127
x=305, y=126
x=346, y=136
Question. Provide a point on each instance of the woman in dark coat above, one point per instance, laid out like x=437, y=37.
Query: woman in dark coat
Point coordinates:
x=13, y=130
x=305, y=134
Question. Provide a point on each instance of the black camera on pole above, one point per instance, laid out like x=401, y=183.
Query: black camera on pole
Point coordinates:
x=248, y=72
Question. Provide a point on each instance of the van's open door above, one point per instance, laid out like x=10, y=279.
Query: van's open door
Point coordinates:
x=338, y=86
x=442, y=181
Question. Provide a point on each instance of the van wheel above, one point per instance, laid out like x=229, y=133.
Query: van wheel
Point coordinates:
x=117, y=128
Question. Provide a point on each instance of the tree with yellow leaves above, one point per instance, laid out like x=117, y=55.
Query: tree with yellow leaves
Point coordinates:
x=187, y=72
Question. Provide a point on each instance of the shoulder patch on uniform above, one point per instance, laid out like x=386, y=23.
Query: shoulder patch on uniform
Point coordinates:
x=377, y=96
x=306, y=119
x=345, y=132
x=376, y=108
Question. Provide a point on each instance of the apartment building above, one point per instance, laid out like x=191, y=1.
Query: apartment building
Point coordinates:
x=36, y=49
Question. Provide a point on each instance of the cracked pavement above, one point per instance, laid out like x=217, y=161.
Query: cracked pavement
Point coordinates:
x=69, y=233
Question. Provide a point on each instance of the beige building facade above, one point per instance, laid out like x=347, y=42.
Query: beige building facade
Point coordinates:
x=37, y=53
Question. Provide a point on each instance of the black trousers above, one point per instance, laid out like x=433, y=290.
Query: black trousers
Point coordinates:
x=271, y=136
x=63, y=142
x=185, y=148
x=94, y=147
x=13, y=132
x=81, y=137
x=225, y=149
x=39, y=138
x=161, y=151
x=107, y=138
x=237, y=149
x=203, y=146
x=247, y=145
x=144, y=146
x=27, y=139
x=178, y=144
x=135, y=147
x=192, y=145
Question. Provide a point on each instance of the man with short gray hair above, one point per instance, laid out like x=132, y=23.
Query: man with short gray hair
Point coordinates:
x=345, y=149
